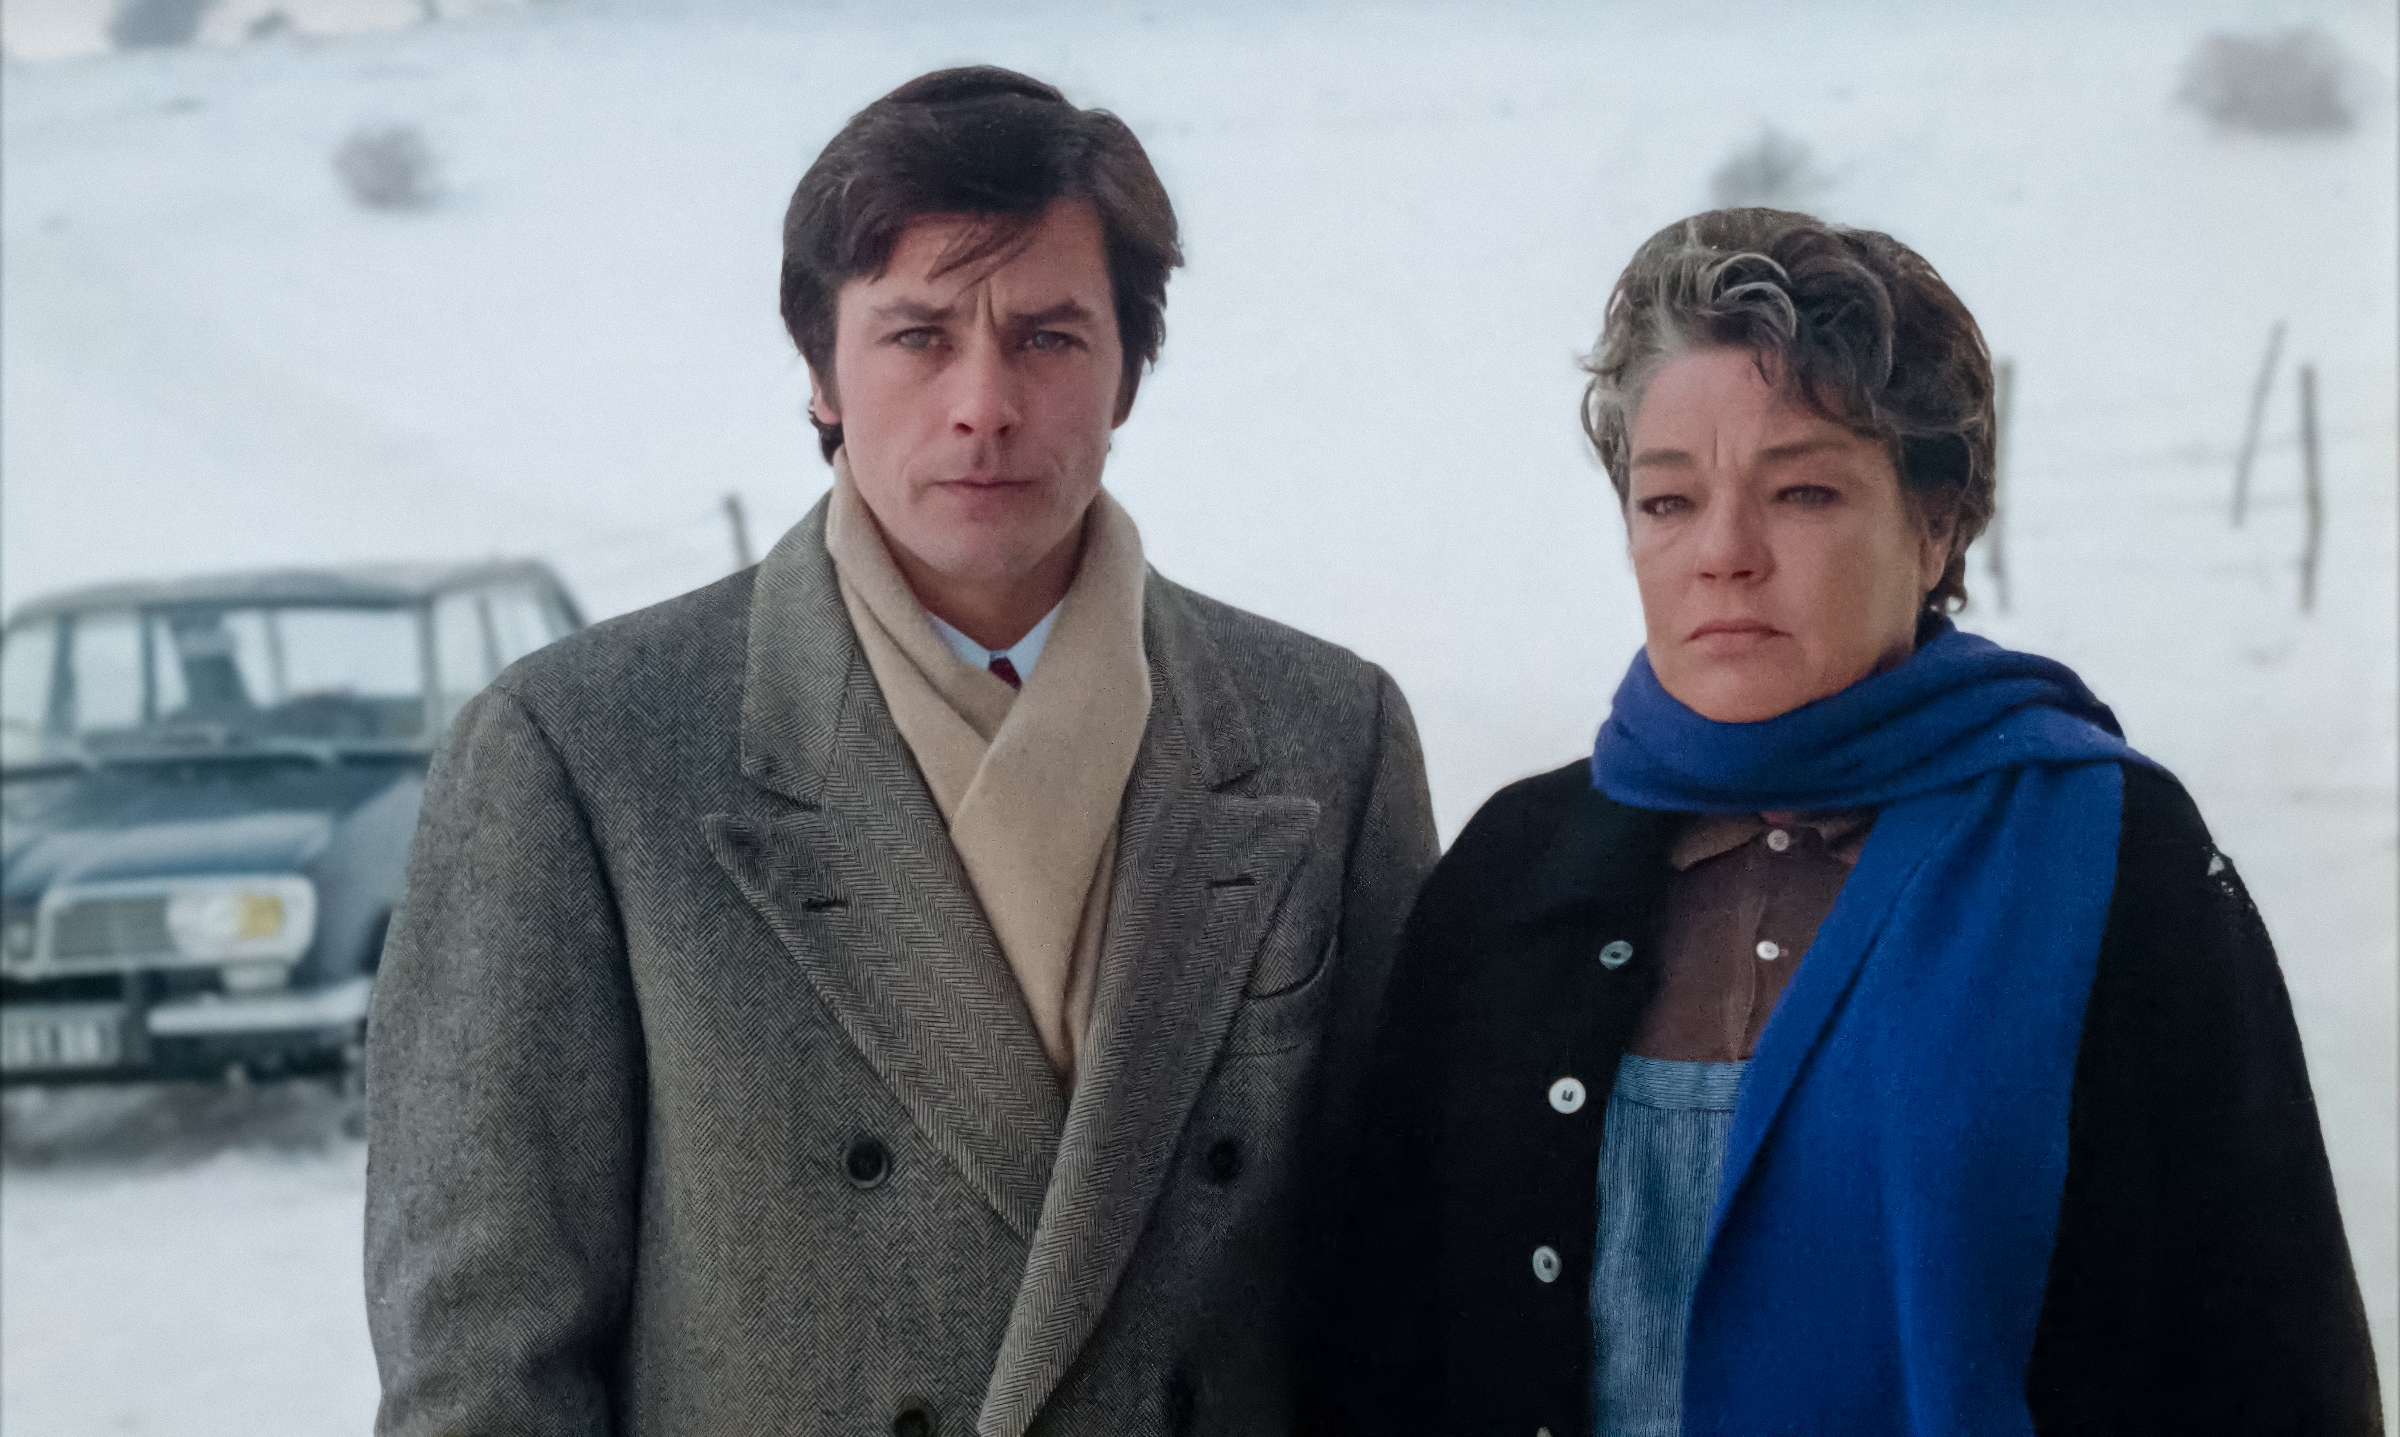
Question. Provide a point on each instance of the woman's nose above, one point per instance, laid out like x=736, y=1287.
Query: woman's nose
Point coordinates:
x=1733, y=541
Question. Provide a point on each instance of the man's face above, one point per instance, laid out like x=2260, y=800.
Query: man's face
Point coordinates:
x=976, y=405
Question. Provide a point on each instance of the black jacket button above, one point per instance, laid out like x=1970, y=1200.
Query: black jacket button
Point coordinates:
x=915, y=1418
x=1224, y=1160
x=866, y=1162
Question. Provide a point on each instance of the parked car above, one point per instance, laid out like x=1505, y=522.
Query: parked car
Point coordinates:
x=207, y=790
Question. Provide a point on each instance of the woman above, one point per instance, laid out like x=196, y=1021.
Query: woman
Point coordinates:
x=1864, y=1039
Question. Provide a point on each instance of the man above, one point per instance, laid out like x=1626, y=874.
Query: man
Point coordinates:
x=917, y=984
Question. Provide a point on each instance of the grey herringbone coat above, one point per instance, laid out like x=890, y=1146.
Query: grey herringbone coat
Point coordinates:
x=683, y=927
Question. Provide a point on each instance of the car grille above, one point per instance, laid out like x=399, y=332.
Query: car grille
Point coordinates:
x=101, y=930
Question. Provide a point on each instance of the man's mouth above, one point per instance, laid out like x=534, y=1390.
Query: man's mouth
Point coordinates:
x=981, y=483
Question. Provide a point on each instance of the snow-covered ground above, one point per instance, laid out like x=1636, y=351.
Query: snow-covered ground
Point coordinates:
x=1402, y=221
x=182, y=1261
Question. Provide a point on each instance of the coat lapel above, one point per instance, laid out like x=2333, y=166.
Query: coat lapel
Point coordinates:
x=843, y=853
x=1199, y=874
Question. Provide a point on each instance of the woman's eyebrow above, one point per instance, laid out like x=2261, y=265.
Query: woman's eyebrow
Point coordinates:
x=1663, y=459
x=1798, y=449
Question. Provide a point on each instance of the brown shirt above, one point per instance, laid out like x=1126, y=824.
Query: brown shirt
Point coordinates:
x=1744, y=899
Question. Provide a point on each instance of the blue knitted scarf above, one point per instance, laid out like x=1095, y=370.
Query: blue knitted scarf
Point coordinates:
x=1883, y=1234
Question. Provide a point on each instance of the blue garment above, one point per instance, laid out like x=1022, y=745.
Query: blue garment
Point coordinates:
x=1891, y=1186
x=1660, y=1156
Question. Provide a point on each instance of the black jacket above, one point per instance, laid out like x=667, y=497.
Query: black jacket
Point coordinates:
x=2200, y=1284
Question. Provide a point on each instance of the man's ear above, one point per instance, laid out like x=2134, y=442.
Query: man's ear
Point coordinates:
x=823, y=405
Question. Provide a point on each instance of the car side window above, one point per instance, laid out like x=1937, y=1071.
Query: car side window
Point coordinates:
x=519, y=623
x=554, y=616
x=28, y=660
x=462, y=652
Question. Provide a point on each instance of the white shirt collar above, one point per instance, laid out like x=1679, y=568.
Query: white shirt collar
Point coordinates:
x=1022, y=655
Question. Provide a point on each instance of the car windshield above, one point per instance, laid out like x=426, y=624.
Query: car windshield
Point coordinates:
x=101, y=680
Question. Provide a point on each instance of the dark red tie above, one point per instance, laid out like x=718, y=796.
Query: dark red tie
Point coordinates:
x=1006, y=671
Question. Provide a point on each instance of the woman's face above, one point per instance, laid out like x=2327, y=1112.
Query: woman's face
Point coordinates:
x=1776, y=559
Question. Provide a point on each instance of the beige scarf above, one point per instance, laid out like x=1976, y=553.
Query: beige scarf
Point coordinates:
x=1030, y=781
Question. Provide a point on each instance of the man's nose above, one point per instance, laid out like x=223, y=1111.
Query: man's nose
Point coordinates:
x=1733, y=541
x=983, y=391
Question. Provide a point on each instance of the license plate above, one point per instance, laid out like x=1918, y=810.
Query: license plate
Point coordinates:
x=79, y=1037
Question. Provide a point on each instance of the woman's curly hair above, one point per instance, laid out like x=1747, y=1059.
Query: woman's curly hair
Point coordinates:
x=1853, y=323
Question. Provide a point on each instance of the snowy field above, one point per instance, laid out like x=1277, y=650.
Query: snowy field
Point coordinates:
x=1401, y=220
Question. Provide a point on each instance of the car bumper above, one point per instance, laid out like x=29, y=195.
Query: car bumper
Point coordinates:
x=265, y=1035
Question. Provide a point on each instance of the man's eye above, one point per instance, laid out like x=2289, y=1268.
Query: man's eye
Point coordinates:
x=1050, y=341
x=914, y=338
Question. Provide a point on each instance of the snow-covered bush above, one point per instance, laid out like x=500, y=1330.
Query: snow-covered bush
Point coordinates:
x=388, y=167
x=2281, y=84
x=155, y=24
x=1773, y=170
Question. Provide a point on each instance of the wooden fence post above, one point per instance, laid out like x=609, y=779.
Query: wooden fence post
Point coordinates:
x=1995, y=534
x=741, y=531
x=2313, y=490
x=2258, y=413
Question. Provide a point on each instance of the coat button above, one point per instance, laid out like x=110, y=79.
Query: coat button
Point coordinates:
x=866, y=1162
x=916, y=1418
x=1616, y=955
x=1566, y=1095
x=1224, y=1160
x=1769, y=950
x=1545, y=1263
x=1779, y=840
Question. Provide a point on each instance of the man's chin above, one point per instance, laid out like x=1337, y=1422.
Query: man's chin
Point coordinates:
x=982, y=561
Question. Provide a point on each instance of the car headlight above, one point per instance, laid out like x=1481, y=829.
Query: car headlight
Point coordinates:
x=238, y=918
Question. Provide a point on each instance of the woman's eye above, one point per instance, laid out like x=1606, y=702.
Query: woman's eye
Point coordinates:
x=1663, y=506
x=1810, y=496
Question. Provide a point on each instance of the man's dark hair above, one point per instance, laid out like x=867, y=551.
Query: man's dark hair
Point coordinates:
x=1856, y=324
x=989, y=143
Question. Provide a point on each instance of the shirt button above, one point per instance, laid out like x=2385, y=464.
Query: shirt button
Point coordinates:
x=1616, y=955
x=1779, y=840
x=1545, y=1263
x=1768, y=950
x=1566, y=1095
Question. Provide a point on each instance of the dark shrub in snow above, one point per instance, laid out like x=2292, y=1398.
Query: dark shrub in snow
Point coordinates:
x=155, y=24
x=387, y=167
x=1773, y=170
x=2285, y=84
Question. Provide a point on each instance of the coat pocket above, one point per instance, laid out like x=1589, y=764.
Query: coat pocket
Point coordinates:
x=1284, y=1006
